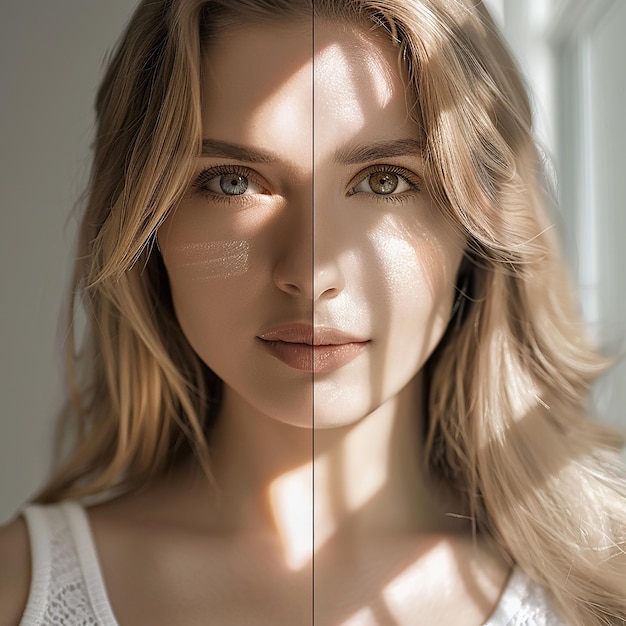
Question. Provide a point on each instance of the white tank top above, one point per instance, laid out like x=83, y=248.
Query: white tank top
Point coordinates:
x=67, y=587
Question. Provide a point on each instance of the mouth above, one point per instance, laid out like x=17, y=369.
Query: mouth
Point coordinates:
x=316, y=349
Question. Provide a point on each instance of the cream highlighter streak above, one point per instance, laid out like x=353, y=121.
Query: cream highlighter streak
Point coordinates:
x=212, y=260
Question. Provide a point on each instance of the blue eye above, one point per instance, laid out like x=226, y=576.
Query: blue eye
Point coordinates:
x=226, y=180
x=232, y=185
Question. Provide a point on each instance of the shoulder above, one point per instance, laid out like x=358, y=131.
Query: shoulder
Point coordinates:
x=41, y=570
x=15, y=571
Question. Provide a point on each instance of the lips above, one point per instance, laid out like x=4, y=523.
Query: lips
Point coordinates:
x=312, y=349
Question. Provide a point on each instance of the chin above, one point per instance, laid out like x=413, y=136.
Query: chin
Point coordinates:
x=342, y=410
x=320, y=413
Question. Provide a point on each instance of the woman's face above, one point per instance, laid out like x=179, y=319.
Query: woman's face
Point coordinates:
x=307, y=223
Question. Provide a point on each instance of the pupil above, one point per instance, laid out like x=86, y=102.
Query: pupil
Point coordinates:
x=233, y=185
x=385, y=183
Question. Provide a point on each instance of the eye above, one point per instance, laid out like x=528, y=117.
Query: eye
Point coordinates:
x=228, y=180
x=385, y=180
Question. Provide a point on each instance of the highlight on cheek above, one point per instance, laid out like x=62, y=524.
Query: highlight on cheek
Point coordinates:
x=211, y=260
x=401, y=264
x=417, y=253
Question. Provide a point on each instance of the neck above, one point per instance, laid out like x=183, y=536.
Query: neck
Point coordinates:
x=308, y=486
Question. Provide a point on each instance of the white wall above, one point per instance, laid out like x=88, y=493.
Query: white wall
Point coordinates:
x=590, y=49
x=572, y=52
x=51, y=56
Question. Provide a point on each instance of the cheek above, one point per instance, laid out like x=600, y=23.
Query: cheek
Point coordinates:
x=205, y=280
x=204, y=262
x=405, y=270
x=196, y=249
x=209, y=268
x=418, y=269
x=417, y=265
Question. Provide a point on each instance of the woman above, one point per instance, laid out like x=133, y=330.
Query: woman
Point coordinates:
x=332, y=371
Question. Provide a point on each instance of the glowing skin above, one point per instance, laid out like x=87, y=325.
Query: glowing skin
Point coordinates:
x=297, y=234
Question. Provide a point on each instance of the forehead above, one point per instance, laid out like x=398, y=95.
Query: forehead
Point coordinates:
x=276, y=85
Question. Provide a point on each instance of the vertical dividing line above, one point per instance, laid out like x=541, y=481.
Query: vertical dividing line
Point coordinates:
x=312, y=309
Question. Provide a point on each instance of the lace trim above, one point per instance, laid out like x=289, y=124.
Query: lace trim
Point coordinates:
x=67, y=587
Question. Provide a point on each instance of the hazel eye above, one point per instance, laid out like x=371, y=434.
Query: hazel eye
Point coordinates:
x=383, y=182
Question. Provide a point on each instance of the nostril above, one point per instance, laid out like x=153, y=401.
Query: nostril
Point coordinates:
x=298, y=276
x=328, y=282
x=290, y=288
x=325, y=292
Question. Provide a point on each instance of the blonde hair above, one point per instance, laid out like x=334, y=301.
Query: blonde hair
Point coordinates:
x=507, y=425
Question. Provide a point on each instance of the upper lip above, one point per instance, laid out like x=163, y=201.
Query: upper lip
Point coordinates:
x=310, y=335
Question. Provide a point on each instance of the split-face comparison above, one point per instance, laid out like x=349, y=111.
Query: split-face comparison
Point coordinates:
x=309, y=268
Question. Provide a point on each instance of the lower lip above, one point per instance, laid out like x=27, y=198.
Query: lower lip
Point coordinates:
x=316, y=359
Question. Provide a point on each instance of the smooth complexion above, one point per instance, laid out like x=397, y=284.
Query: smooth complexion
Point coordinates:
x=307, y=223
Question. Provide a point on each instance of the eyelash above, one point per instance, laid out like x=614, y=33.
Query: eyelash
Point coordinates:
x=209, y=173
x=409, y=178
x=220, y=170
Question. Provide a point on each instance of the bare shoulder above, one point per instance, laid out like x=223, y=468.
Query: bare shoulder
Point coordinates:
x=15, y=571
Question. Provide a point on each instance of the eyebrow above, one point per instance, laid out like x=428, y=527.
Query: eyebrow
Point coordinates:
x=225, y=150
x=406, y=146
x=382, y=150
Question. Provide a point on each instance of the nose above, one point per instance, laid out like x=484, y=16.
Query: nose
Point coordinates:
x=309, y=264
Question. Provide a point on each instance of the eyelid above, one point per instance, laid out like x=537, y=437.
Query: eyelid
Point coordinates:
x=412, y=179
x=212, y=171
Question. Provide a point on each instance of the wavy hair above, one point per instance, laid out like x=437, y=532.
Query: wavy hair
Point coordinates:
x=507, y=425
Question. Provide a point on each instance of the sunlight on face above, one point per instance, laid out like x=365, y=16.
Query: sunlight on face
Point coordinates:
x=363, y=617
x=314, y=228
x=384, y=259
x=340, y=89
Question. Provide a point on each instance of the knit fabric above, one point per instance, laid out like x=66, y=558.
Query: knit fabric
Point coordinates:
x=67, y=588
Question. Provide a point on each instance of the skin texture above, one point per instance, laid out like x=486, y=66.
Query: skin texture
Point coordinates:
x=322, y=513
